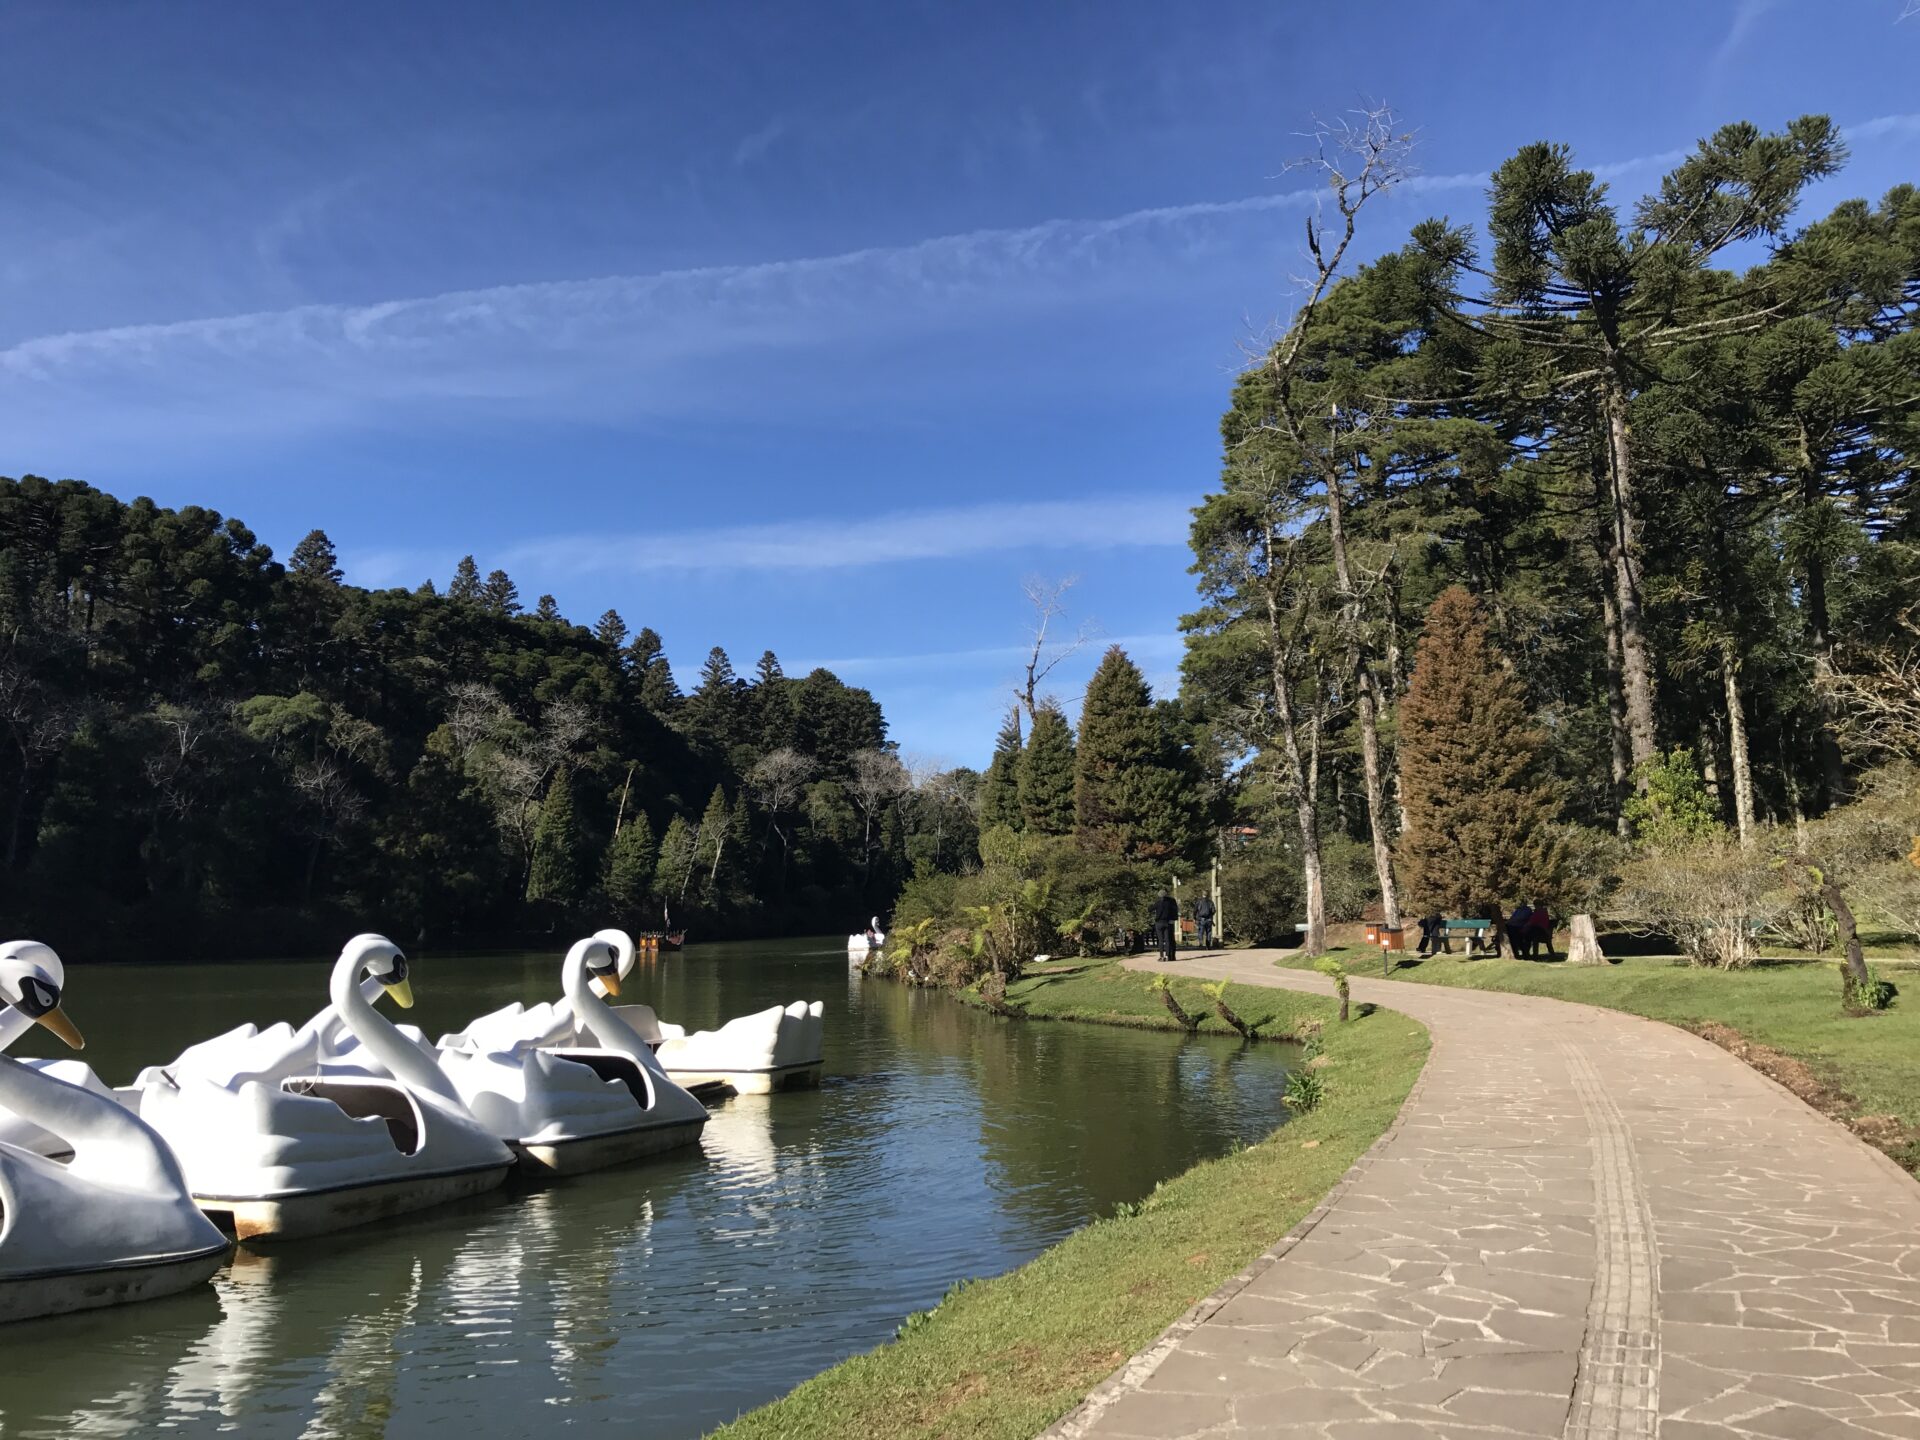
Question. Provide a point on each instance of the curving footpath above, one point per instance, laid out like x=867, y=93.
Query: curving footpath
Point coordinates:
x=1582, y=1224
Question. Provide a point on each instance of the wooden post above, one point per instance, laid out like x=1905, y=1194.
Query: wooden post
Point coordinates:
x=1583, y=946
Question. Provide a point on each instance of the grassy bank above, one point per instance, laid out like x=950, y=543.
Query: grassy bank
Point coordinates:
x=1864, y=1070
x=1004, y=1357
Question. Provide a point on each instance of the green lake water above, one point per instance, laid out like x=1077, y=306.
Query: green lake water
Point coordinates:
x=660, y=1299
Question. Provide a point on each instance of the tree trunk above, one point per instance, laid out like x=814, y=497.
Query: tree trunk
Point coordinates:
x=1622, y=758
x=1304, y=780
x=1820, y=634
x=1740, y=760
x=1855, y=962
x=1636, y=666
x=1378, y=822
x=1710, y=768
x=1797, y=810
x=1583, y=945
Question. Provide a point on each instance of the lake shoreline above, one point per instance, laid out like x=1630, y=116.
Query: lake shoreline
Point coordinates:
x=1007, y=1356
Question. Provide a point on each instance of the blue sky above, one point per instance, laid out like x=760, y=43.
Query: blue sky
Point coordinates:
x=812, y=327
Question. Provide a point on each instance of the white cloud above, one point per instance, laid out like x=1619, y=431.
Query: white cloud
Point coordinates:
x=752, y=147
x=618, y=346
x=856, y=542
x=820, y=542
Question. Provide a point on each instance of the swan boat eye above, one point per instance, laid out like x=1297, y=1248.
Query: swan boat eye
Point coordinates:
x=396, y=970
x=37, y=997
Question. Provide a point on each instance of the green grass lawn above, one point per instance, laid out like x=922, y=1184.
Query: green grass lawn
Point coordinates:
x=1005, y=1357
x=1792, y=1008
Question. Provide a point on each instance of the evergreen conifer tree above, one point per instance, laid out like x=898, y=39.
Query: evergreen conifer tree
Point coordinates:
x=611, y=630
x=559, y=871
x=465, y=585
x=548, y=609
x=631, y=861
x=314, y=560
x=1000, y=786
x=646, y=658
x=677, y=859
x=1134, y=792
x=1480, y=819
x=1046, y=774
x=500, y=596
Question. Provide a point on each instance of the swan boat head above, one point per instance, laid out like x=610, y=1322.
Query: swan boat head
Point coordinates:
x=379, y=959
x=624, y=955
x=31, y=979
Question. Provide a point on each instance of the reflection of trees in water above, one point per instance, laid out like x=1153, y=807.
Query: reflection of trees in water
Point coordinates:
x=1075, y=1115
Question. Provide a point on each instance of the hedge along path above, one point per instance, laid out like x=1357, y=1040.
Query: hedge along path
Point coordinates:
x=1583, y=1224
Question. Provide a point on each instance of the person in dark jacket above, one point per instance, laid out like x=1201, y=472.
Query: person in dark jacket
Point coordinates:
x=1203, y=921
x=1433, y=934
x=1520, y=931
x=1166, y=915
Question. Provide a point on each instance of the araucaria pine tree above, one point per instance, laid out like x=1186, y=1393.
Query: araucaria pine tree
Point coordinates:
x=1046, y=774
x=1000, y=786
x=1132, y=794
x=630, y=864
x=559, y=871
x=1480, y=819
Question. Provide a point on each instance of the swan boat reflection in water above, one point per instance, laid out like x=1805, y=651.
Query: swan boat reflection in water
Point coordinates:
x=116, y=1221
x=778, y=1048
x=270, y=1139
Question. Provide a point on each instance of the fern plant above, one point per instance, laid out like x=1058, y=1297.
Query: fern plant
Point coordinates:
x=1337, y=973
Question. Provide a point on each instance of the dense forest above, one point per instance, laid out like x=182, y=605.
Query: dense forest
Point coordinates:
x=207, y=751
x=1668, y=448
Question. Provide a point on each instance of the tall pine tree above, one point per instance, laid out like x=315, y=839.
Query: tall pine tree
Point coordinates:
x=465, y=585
x=559, y=871
x=1046, y=774
x=1135, y=793
x=631, y=860
x=1000, y=786
x=1480, y=820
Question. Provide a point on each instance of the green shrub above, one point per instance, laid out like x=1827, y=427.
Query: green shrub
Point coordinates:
x=1305, y=1090
x=1871, y=994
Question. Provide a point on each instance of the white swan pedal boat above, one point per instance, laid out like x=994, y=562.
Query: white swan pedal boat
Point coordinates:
x=594, y=1097
x=277, y=1145
x=115, y=1223
x=778, y=1048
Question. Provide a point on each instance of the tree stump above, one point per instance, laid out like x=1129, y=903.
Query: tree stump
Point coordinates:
x=1583, y=946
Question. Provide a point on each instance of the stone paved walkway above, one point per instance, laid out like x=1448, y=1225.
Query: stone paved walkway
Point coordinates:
x=1584, y=1224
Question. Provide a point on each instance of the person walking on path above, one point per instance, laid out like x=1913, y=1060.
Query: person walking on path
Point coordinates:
x=1433, y=935
x=1166, y=915
x=1203, y=920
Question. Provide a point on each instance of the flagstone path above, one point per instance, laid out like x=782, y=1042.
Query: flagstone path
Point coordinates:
x=1583, y=1224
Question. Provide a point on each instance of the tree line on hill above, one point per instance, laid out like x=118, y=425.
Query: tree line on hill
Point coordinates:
x=206, y=751
x=1666, y=454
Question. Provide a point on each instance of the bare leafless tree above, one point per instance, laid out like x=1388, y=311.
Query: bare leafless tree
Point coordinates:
x=331, y=805
x=877, y=778
x=513, y=760
x=1876, y=691
x=778, y=781
x=1048, y=650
